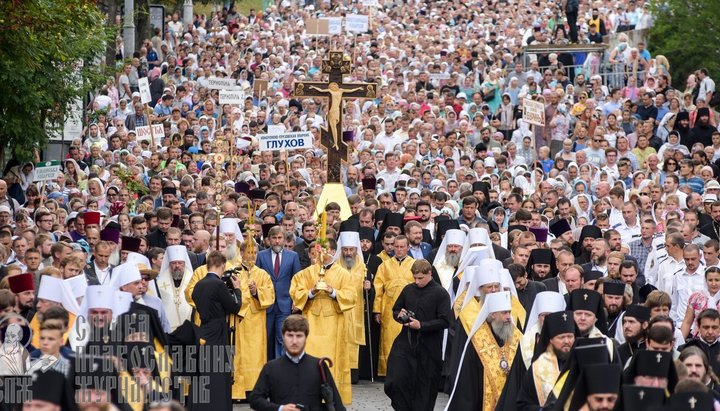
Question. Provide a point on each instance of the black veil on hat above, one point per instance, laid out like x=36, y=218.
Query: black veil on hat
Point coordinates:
x=589, y=300
x=561, y=322
x=441, y=227
x=585, y=352
x=541, y=256
x=652, y=364
x=596, y=379
x=637, y=398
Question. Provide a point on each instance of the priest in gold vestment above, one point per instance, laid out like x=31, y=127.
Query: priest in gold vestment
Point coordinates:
x=325, y=293
x=392, y=276
x=488, y=354
x=258, y=294
x=349, y=256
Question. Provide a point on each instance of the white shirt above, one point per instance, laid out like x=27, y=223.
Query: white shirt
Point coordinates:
x=102, y=274
x=667, y=269
x=657, y=255
x=627, y=233
x=684, y=285
x=390, y=177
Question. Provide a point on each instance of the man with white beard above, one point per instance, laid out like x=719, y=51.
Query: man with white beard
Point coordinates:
x=487, y=355
x=447, y=258
x=175, y=275
x=349, y=256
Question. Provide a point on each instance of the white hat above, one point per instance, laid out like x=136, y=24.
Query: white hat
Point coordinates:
x=125, y=274
x=174, y=253
x=55, y=289
x=467, y=277
x=490, y=162
x=230, y=225
x=452, y=236
x=5, y=209
x=712, y=185
x=99, y=296
x=476, y=236
x=78, y=285
x=545, y=302
x=490, y=274
x=710, y=198
x=121, y=303
x=348, y=239
x=474, y=256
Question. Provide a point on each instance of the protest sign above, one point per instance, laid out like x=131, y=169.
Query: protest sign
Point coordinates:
x=47, y=170
x=143, y=132
x=534, y=112
x=356, y=23
x=231, y=97
x=145, y=96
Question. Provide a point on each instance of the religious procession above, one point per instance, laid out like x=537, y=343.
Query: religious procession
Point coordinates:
x=407, y=205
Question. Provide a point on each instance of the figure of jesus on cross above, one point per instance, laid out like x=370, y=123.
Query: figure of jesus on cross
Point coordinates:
x=336, y=66
x=335, y=111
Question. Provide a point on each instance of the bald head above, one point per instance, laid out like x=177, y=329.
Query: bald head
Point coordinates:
x=201, y=241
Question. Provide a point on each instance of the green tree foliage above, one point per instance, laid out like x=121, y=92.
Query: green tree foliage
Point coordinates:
x=49, y=57
x=687, y=33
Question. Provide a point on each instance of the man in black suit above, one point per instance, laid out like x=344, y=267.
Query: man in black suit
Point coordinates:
x=292, y=382
x=214, y=303
x=309, y=233
x=164, y=222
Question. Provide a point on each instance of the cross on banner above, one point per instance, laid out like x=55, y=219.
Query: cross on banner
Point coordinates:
x=337, y=65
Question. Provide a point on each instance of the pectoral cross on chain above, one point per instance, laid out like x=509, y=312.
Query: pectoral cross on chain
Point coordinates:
x=337, y=65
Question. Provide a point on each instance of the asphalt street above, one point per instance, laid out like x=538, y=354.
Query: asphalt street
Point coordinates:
x=369, y=396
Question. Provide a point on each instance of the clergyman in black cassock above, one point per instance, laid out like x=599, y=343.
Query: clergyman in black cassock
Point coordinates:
x=415, y=360
x=214, y=302
x=366, y=361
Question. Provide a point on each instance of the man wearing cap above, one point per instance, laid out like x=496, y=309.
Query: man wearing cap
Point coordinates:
x=634, y=329
x=597, y=388
x=652, y=369
x=552, y=351
x=325, y=294
x=589, y=314
x=349, y=257
x=541, y=264
x=173, y=279
x=614, y=303
x=23, y=286
x=51, y=390
x=486, y=358
x=368, y=362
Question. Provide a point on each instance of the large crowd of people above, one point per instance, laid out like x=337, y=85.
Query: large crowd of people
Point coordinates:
x=572, y=264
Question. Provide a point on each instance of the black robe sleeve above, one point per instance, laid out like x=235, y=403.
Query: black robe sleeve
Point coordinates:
x=467, y=393
x=527, y=399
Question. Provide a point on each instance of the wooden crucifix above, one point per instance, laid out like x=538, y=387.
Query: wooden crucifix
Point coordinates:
x=336, y=66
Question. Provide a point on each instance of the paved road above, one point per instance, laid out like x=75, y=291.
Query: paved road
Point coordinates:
x=369, y=397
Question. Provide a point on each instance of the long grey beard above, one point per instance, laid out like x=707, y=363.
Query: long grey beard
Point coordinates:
x=231, y=252
x=178, y=275
x=349, y=262
x=502, y=330
x=452, y=259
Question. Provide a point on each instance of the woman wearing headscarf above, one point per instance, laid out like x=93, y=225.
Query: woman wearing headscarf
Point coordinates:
x=673, y=142
x=72, y=170
x=582, y=203
x=96, y=192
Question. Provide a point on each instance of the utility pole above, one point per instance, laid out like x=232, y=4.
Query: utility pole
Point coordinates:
x=187, y=13
x=129, y=28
